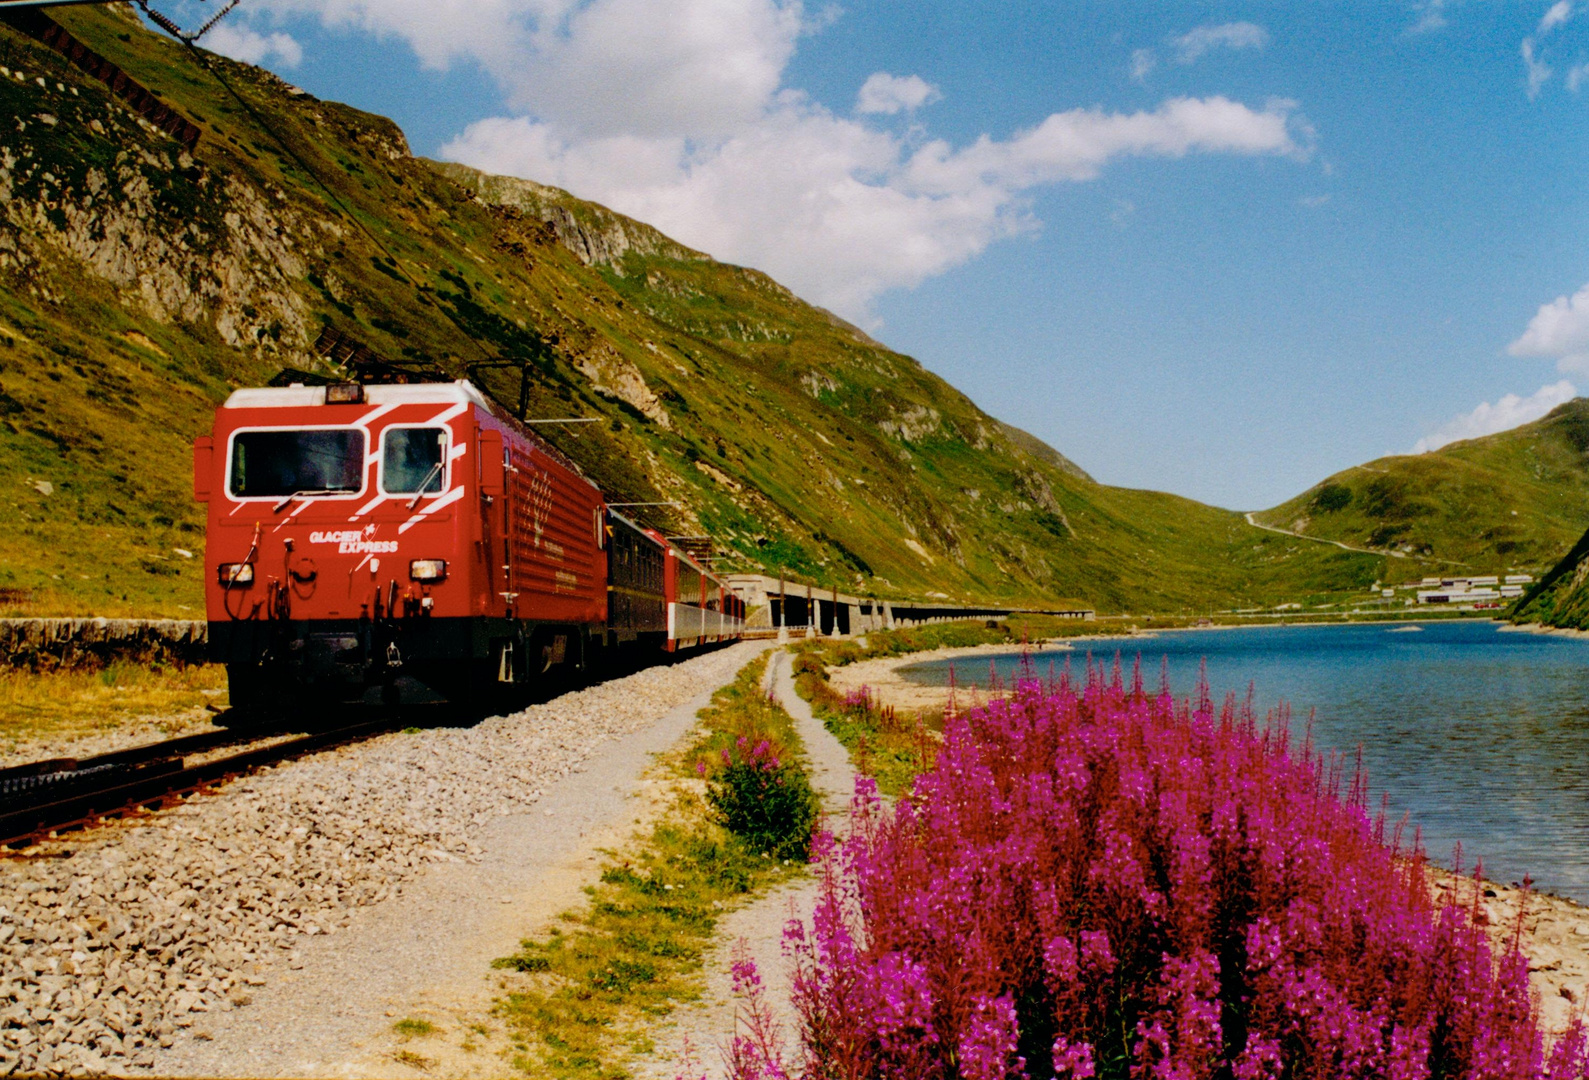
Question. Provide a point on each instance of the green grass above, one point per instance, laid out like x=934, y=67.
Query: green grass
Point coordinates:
x=795, y=439
x=410, y=1028
x=586, y=993
x=893, y=747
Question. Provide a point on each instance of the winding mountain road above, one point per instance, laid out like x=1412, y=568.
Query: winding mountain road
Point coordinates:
x=1320, y=540
x=1348, y=547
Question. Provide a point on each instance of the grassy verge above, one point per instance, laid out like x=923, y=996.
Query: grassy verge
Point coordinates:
x=589, y=990
x=73, y=703
x=893, y=746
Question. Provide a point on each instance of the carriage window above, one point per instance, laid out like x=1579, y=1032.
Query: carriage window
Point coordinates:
x=269, y=464
x=412, y=460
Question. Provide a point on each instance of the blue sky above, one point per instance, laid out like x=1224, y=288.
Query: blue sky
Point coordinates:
x=1218, y=249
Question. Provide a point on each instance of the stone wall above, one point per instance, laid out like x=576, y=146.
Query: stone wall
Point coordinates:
x=47, y=644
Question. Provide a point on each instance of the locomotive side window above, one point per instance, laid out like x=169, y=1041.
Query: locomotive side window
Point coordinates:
x=413, y=460
x=272, y=464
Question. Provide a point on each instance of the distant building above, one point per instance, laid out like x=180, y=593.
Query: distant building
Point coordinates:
x=1519, y=579
x=1458, y=595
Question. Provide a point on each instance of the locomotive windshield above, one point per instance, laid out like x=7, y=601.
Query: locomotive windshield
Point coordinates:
x=285, y=463
x=411, y=460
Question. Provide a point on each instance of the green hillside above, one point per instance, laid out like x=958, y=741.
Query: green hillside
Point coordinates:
x=1561, y=597
x=1514, y=501
x=139, y=283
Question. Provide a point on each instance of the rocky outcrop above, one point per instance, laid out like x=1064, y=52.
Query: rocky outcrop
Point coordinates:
x=614, y=376
x=176, y=242
x=913, y=424
x=594, y=234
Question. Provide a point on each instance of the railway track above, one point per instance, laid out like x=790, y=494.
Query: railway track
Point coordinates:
x=58, y=794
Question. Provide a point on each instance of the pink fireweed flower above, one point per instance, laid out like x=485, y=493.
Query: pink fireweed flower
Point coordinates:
x=1097, y=881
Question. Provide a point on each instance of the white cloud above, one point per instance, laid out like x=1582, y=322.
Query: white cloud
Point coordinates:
x=1507, y=413
x=1431, y=17
x=1539, y=72
x=841, y=212
x=1313, y=201
x=241, y=43
x=889, y=94
x=604, y=67
x=679, y=115
x=441, y=32
x=694, y=68
x=1576, y=76
x=1559, y=13
x=1237, y=35
x=1559, y=329
x=1143, y=61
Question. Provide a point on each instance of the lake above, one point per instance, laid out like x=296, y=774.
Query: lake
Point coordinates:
x=1480, y=735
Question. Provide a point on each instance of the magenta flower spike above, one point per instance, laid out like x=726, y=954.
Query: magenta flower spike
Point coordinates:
x=1107, y=883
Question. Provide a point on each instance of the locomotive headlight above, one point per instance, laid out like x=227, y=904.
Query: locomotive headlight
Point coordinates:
x=236, y=573
x=427, y=569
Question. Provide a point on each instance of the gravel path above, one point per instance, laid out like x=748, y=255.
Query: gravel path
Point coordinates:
x=708, y=1026
x=266, y=929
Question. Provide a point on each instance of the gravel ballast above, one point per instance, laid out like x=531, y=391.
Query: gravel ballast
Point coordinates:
x=152, y=930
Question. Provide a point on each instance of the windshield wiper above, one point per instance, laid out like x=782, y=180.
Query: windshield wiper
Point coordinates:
x=435, y=470
x=305, y=493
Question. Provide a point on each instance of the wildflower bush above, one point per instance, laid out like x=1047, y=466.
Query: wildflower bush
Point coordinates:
x=1100, y=882
x=766, y=802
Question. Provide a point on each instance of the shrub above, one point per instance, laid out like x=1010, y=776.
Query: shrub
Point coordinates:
x=1105, y=883
x=1332, y=497
x=766, y=802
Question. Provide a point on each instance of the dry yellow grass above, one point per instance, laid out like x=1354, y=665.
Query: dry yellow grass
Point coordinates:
x=62, y=705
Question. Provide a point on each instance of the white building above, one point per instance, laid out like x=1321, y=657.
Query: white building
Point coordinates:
x=1458, y=596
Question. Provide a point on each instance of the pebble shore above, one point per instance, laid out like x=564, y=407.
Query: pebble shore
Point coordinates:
x=123, y=947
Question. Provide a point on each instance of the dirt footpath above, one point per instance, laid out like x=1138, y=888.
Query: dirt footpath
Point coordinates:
x=707, y=1026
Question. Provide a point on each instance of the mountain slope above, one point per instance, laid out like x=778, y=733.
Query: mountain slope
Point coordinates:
x=1511, y=501
x=140, y=281
x=1561, y=597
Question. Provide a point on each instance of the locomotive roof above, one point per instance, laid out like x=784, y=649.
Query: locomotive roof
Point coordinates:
x=460, y=392
x=298, y=395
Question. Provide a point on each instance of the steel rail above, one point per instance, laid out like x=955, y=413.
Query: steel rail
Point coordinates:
x=128, y=785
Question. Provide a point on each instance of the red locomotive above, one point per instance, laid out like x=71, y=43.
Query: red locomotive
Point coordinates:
x=359, y=533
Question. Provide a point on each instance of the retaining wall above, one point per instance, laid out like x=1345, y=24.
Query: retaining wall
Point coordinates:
x=36, y=644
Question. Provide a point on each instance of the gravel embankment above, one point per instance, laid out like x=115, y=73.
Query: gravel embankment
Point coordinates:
x=125, y=945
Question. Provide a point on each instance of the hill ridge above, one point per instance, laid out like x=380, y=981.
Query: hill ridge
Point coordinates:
x=1511, y=501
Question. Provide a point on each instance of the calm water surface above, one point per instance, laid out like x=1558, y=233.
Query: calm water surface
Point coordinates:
x=1482, y=736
